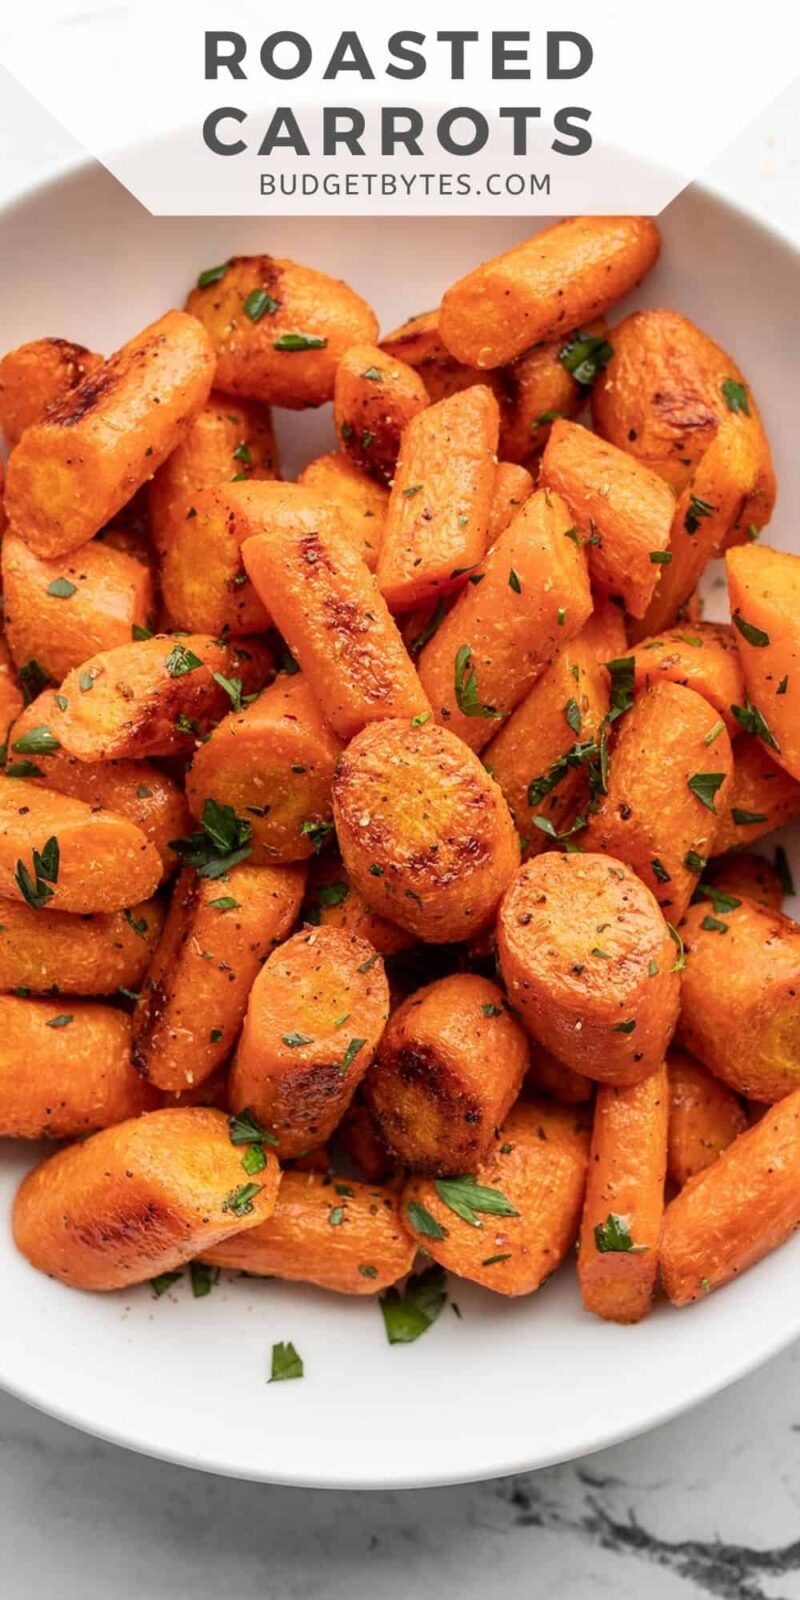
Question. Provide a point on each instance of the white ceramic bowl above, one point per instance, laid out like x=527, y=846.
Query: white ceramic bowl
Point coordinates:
x=509, y=1385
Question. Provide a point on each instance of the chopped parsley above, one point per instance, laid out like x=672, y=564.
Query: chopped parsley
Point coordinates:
x=466, y=1198
x=222, y=843
x=286, y=1363
x=410, y=1313
x=466, y=687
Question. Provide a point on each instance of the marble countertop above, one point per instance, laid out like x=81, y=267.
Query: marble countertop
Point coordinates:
x=706, y=1506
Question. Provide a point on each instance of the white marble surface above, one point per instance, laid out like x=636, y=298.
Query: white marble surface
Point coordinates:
x=707, y=1506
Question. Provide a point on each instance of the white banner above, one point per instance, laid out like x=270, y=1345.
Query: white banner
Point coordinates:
x=228, y=107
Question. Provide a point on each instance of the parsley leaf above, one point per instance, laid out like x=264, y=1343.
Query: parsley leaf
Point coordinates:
x=585, y=356
x=421, y=1219
x=705, y=785
x=754, y=636
x=466, y=1198
x=409, y=1314
x=180, y=661
x=467, y=698
x=223, y=842
x=614, y=1235
x=286, y=1363
x=735, y=396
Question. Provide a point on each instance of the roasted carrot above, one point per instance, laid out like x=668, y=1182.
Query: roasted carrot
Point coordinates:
x=43, y=951
x=437, y=521
x=61, y=853
x=314, y=1018
x=764, y=588
x=669, y=779
x=75, y=469
x=342, y=1236
x=359, y=500
x=11, y=697
x=418, y=343
x=60, y=611
x=512, y=487
x=358, y=1136
x=730, y=495
x=541, y=387
x=65, y=1069
x=136, y=789
x=557, y=280
x=704, y=1118
x=619, y=510
x=702, y=657
x=375, y=397
x=524, y=1203
x=36, y=376
x=448, y=1070
x=273, y=762
x=332, y=901
x=665, y=391
x=589, y=962
x=228, y=441
x=279, y=330
x=618, y=1252
x=744, y=1205
x=531, y=596
x=217, y=934
x=327, y=605
x=740, y=995
x=762, y=797
x=748, y=877
x=424, y=831
x=560, y=1083
x=140, y=1199
x=155, y=697
x=540, y=757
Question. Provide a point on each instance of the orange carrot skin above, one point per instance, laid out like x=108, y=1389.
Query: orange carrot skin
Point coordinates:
x=196, y=502
x=762, y=797
x=375, y=397
x=65, y=1069
x=36, y=376
x=261, y=356
x=60, y=611
x=561, y=278
x=703, y=657
x=149, y=699
x=46, y=951
x=749, y=877
x=734, y=487
x=314, y=1018
x=105, y=862
x=360, y=1139
x=744, y=964
x=660, y=396
x=274, y=763
x=533, y=393
x=11, y=696
x=624, y=1194
x=195, y=995
x=424, y=831
x=585, y=952
x=136, y=789
x=704, y=1118
x=327, y=605
x=229, y=439
x=363, y=1253
x=744, y=1205
x=532, y=598
x=621, y=510
x=76, y=468
x=538, y=734
x=139, y=1199
x=437, y=522
x=512, y=487
x=419, y=344
x=359, y=500
x=549, y=1076
x=332, y=901
x=764, y=588
x=448, y=1070
x=537, y=1162
x=650, y=817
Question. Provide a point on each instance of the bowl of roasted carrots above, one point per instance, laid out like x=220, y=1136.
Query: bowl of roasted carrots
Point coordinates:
x=400, y=762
